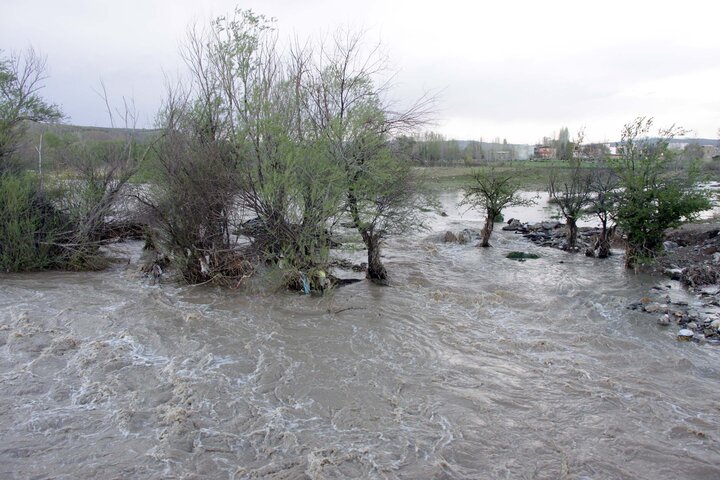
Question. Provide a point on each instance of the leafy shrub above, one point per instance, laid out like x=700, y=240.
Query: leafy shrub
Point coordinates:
x=29, y=226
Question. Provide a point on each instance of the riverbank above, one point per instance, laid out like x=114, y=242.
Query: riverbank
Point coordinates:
x=692, y=255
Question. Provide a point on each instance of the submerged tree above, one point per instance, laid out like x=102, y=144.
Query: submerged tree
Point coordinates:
x=602, y=204
x=570, y=190
x=493, y=191
x=295, y=140
x=350, y=112
x=651, y=198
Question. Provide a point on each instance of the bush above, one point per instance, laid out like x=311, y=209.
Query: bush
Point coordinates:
x=652, y=198
x=521, y=256
x=29, y=226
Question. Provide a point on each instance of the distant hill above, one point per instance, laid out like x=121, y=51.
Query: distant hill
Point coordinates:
x=27, y=155
x=93, y=134
x=681, y=140
x=696, y=141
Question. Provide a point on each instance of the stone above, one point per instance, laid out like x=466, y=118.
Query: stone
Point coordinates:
x=673, y=273
x=550, y=225
x=670, y=246
x=521, y=256
x=512, y=225
x=654, y=307
x=715, y=324
x=664, y=320
x=467, y=236
x=685, y=334
x=691, y=326
x=449, y=237
x=710, y=290
x=632, y=306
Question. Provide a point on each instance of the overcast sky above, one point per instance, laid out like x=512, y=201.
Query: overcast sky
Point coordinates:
x=509, y=69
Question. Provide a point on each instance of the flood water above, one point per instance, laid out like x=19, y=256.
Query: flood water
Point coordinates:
x=469, y=366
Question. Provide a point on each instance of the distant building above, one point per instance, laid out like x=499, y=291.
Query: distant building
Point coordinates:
x=523, y=152
x=594, y=151
x=544, y=152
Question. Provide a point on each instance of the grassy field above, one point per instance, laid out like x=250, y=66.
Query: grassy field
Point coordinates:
x=532, y=175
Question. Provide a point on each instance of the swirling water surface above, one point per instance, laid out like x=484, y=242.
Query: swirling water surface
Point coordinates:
x=469, y=366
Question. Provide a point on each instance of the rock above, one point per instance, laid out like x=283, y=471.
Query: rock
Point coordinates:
x=512, y=225
x=360, y=268
x=670, y=246
x=443, y=214
x=654, y=307
x=634, y=305
x=679, y=314
x=691, y=326
x=664, y=320
x=467, y=236
x=550, y=225
x=685, y=334
x=449, y=237
x=710, y=290
x=715, y=324
x=716, y=257
x=673, y=273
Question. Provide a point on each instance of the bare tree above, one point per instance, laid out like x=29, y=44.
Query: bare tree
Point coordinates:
x=22, y=76
x=96, y=198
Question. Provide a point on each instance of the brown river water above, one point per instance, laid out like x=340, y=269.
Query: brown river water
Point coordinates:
x=469, y=366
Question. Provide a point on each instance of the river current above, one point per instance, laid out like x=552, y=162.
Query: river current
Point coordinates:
x=470, y=366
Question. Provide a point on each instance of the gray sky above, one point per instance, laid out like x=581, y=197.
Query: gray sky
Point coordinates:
x=510, y=69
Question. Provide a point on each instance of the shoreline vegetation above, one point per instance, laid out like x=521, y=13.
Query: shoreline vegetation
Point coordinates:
x=261, y=155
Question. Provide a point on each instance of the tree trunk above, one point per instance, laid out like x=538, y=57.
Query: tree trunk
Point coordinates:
x=487, y=229
x=631, y=255
x=604, y=242
x=375, y=270
x=571, y=233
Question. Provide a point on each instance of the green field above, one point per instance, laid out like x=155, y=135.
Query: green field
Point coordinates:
x=532, y=175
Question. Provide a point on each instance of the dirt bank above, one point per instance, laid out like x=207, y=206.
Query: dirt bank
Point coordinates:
x=692, y=255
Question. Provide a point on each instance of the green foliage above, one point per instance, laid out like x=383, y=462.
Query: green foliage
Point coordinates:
x=275, y=148
x=522, y=256
x=493, y=190
x=651, y=198
x=29, y=226
x=388, y=195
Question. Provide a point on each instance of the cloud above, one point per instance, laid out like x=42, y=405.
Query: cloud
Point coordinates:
x=513, y=69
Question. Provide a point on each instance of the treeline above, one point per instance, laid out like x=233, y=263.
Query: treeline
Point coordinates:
x=261, y=152
x=643, y=191
x=434, y=149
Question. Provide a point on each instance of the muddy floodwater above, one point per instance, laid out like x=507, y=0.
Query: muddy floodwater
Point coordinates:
x=469, y=366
